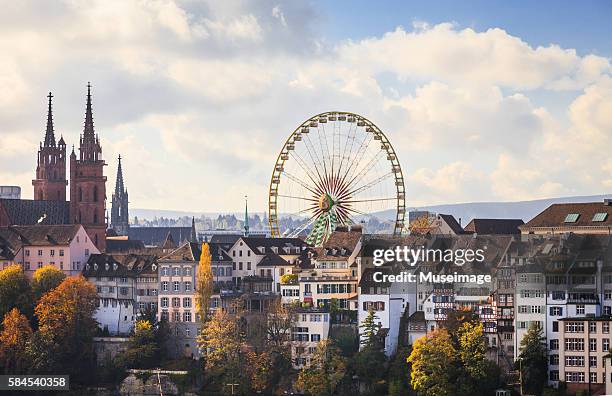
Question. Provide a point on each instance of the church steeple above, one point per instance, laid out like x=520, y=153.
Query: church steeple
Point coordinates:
x=90, y=148
x=119, y=188
x=246, y=216
x=119, y=206
x=49, y=134
x=194, y=235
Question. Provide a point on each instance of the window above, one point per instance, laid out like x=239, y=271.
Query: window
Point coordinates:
x=574, y=377
x=556, y=311
x=52, y=252
x=164, y=302
x=177, y=317
x=165, y=271
x=571, y=218
x=61, y=252
x=574, y=361
x=27, y=252
x=555, y=326
x=187, y=286
x=176, y=302
x=374, y=305
x=554, y=360
x=574, y=327
x=176, y=271
x=599, y=217
x=187, y=316
x=593, y=327
x=248, y=265
x=176, y=286
x=40, y=252
x=186, y=302
x=315, y=337
x=605, y=327
x=592, y=361
x=165, y=286
x=605, y=343
x=593, y=377
x=580, y=309
x=554, y=375
x=574, y=344
x=123, y=291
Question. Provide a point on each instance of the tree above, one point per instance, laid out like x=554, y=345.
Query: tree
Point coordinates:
x=221, y=342
x=204, y=283
x=45, y=279
x=532, y=360
x=433, y=360
x=369, y=329
x=289, y=279
x=326, y=371
x=143, y=350
x=66, y=325
x=472, y=355
x=15, y=291
x=14, y=339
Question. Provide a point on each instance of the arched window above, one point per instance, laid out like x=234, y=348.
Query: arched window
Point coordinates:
x=95, y=194
x=80, y=217
x=95, y=218
x=80, y=194
x=96, y=239
x=40, y=196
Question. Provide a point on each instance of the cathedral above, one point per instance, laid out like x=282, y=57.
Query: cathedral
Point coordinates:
x=87, y=184
x=119, y=210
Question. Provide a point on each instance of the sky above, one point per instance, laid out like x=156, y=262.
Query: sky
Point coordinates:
x=482, y=100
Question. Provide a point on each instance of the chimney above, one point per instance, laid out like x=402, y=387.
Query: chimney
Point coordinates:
x=607, y=202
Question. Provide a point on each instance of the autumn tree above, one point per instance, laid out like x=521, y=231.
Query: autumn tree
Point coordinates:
x=204, y=283
x=45, y=279
x=325, y=373
x=143, y=350
x=15, y=291
x=532, y=360
x=14, y=338
x=432, y=360
x=221, y=342
x=66, y=325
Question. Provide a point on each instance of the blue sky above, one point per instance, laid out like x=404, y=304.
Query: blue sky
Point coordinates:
x=584, y=25
x=482, y=100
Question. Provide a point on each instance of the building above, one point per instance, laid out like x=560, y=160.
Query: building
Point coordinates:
x=66, y=247
x=583, y=349
x=50, y=183
x=115, y=284
x=311, y=326
x=10, y=192
x=120, y=220
x=578, y=218
x=177, y=279
x=157, y=236
x=88, y=183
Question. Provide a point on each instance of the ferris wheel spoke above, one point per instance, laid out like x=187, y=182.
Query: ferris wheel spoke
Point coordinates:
x=312, y=153
x=301, y=228
x=308, y=171
x=298, y=181
x=369, y=215
x=366, y=168
x=323, y=151
x=354, y=161
x=368, y=185
x=296, y=197
x=369, y=200
x=352, y=140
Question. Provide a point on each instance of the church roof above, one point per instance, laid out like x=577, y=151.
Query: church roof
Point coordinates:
x=156, y=236
x=29, y=212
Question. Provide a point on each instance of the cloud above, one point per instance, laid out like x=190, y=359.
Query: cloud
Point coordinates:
x=198, y=97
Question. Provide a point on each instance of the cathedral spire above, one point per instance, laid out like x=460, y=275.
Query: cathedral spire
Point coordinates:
x=49, y=134
x=88, y=130
x=246, y=216
x=194, y=236
x=119, y=187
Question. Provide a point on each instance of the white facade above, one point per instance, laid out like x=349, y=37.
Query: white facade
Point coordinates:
x=310, y=328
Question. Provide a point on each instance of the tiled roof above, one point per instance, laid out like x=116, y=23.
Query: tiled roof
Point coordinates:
x=452, y=223
x=272, y=260
x=39, y=235
x=156, y=236
x=123, y=245
x=120, y=265
x=494, y=226
x=254, y=243
x=188, y=251
x=28, y=212
x=218, y=253
x=556, y=214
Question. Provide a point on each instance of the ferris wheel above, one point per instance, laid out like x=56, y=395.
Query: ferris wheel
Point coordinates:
x=336, y=168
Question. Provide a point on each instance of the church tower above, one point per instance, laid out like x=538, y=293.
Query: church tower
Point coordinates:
x=119, y=209
x=50, y=183
x=88, y=183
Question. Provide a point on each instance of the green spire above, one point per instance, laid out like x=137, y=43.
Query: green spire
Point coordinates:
x=246, y=216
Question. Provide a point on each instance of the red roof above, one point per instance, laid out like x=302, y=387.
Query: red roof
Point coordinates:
x=555, y=215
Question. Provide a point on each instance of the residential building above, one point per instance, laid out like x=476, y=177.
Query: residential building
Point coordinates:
x=311, y=327
x=577, y=218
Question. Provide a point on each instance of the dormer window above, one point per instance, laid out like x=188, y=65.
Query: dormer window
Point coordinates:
x=262, y=250
x=154, y=267
x=106, y=266
x=96, y=266
x=599, y=217
x=571, y=218
x=114, y=266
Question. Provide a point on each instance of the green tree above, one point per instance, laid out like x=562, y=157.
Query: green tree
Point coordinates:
x=14, y=338
x=15, y=291
x=472, y=349
x=66, y=326
x=143, y=350
x=326, y=372
x=45, y=279
x=204, y=283
x=369, y=329
x=532, y=360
